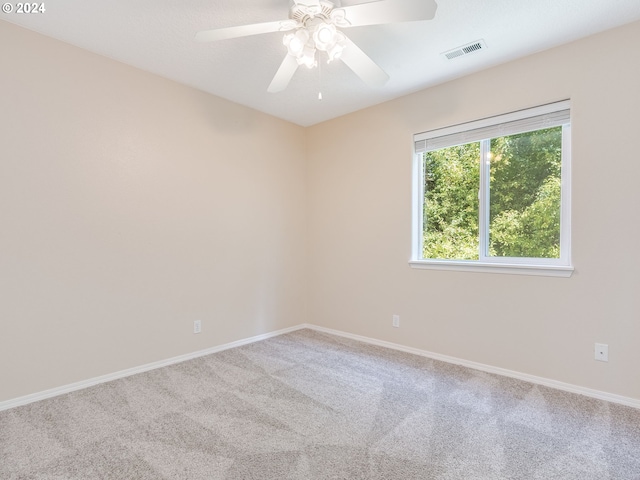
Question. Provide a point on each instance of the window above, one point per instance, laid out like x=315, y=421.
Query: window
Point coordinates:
x=494, y=194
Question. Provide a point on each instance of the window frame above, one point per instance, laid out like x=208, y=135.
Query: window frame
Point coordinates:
x=559, y=267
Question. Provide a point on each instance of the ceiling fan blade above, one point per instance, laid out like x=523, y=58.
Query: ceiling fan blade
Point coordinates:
x=284, y=74
x=389, y=11
x=243, y=31
x=362, y=65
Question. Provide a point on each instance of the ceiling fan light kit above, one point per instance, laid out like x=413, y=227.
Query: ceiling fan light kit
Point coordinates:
x=314, y=28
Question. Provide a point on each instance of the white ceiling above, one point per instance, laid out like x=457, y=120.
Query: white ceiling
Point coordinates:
x=157, y=36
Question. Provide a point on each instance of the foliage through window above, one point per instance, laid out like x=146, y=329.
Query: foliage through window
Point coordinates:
x=495, y=191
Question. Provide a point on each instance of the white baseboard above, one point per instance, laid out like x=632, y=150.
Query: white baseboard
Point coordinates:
x=54, y=392
x=567, y=387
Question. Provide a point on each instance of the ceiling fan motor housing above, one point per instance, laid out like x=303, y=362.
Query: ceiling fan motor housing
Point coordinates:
x=303, y=13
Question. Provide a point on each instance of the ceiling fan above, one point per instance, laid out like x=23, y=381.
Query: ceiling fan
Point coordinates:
x=314, y=28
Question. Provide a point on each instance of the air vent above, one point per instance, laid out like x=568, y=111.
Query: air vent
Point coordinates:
x=465, y=50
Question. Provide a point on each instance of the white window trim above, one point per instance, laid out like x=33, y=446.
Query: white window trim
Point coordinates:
x=481, y=267
x=518, y=266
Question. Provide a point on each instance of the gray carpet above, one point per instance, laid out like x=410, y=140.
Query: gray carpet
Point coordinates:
x=307, y=405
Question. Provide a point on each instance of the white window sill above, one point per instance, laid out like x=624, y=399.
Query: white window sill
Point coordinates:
x=483, y=267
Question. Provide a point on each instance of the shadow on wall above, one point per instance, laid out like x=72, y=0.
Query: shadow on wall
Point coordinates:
x=225, y=116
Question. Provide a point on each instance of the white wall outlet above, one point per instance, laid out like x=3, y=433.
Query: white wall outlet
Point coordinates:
x=602, y=352
x=396, y=321
x=197, y=326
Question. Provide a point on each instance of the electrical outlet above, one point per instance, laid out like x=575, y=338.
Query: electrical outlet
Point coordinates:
x=602, y=352
x=396, y=321
x=197, y=326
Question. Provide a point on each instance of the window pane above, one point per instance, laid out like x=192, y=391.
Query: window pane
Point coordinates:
x=524, y=205
x=451, y=182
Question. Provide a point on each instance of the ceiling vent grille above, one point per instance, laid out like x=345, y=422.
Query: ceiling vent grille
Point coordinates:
x=465, y=50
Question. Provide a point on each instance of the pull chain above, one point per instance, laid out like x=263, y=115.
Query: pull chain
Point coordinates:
x=319, y=78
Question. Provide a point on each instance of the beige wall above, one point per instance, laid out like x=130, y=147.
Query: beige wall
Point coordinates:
x=131, y=206
x=360, y=224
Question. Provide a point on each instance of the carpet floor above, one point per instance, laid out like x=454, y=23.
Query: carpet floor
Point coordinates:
x=308, y=405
